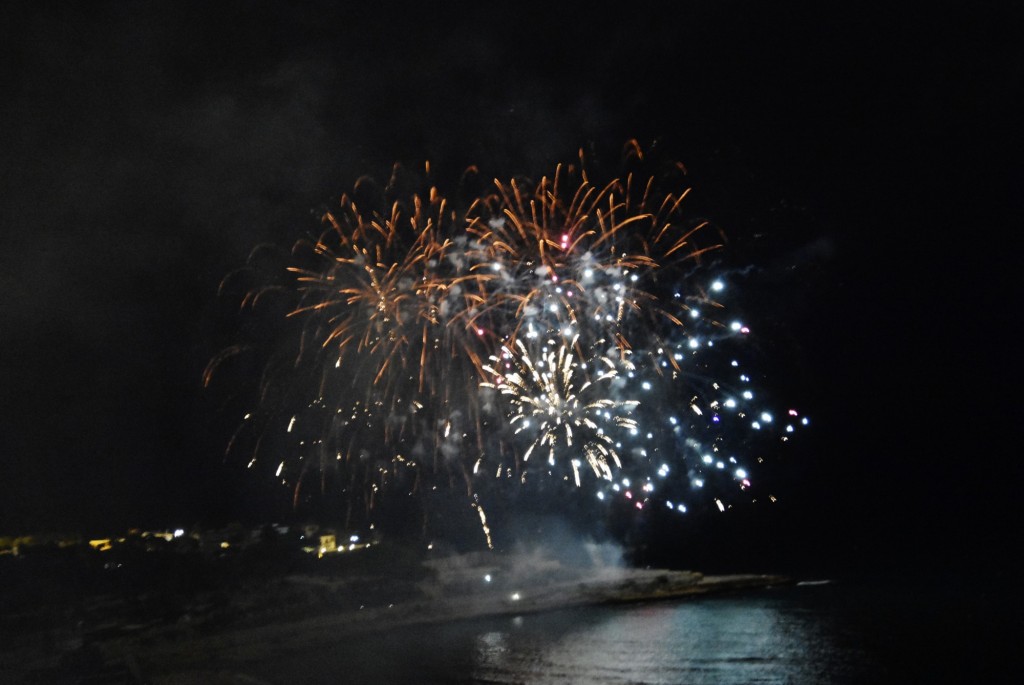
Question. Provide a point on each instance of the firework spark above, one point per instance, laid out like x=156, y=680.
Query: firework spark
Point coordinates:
x=555, y=399
x=430, y=342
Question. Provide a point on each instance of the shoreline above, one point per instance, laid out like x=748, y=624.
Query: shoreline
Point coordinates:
x=179, y=658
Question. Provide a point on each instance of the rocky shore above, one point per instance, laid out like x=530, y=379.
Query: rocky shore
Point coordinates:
x=177, y=657
x=169, y=618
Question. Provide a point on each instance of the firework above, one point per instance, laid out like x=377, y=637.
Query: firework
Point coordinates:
x=556, y=400
x=546, y=328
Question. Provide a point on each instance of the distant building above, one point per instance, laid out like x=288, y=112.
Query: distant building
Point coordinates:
x=100, y=545
x=328, y=543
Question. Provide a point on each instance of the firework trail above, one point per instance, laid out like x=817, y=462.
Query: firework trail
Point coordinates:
x=433, y=345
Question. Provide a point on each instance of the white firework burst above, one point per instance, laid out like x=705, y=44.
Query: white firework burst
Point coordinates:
x=562, y=401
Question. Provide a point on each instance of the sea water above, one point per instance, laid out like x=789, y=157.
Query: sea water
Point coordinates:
x=817, y=632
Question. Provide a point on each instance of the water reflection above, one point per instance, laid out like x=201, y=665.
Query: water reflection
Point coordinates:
x=767, y=639
x=788, y=635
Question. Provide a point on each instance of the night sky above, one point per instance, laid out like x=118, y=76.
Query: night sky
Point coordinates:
x=865, y=159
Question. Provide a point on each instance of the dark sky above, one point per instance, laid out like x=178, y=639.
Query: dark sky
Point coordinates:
x=862, y=154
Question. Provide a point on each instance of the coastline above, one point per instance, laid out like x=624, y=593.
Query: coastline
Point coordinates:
x=180, y=658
